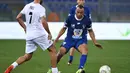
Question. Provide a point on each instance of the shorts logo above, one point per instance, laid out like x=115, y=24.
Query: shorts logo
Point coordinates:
x=64, y=43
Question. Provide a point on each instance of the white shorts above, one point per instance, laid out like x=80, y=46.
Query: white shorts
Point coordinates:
x=42, y=41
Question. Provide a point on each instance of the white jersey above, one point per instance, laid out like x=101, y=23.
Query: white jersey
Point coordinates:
x=33, y=13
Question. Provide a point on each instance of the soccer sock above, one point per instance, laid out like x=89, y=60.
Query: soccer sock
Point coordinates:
x=15, y=64
x=82, y=61
x=70, y=58
x=54, y=70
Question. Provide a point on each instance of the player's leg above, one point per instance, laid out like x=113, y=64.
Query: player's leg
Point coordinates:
x=30, y=48
x=19, y=61
x=61, y=53
x=65, y=47
x=83, y=50
x=63, y=50
x=52, y=51
x=44, y=43
x=71, y=55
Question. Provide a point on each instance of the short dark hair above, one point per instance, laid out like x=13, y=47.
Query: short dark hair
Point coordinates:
x=80, y=6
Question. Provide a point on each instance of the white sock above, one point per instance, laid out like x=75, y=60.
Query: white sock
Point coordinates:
x=54, y=70
x=15, y=64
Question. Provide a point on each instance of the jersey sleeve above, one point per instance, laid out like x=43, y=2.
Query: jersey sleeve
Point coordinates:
x=43, y=12
x=24, y=9
x=72, y=11
x=67, y=22
x=87, y=12
x=89, y=24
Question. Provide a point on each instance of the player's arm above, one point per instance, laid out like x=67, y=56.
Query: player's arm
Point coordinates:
x=20, y=21
x=44, y=22
x=72, y=11
x=62, y=31
x=92, y=35
x=90, y=30
x=19, y=18
x=45, y=25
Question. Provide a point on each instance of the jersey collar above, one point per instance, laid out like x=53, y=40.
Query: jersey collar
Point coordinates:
x=77, y=18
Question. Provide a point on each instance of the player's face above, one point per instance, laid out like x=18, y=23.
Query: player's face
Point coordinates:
x=80, y=2
x=40, y=1
x=79, y=13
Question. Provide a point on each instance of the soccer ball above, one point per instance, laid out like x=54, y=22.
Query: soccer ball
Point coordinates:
x=105, y=69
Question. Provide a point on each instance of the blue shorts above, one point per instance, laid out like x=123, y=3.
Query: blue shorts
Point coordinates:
x=73, y=43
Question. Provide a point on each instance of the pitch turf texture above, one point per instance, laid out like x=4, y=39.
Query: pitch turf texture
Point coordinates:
x=116, y=54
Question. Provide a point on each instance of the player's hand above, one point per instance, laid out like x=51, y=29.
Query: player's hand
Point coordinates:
x=49, y=36
x=98, y=45
x=25, y=30
x=55, y=41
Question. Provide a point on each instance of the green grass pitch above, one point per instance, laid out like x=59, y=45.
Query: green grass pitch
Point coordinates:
x=116, y=54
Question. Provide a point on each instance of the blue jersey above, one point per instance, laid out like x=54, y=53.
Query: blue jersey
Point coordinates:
x=86, y=11
x=77, y=31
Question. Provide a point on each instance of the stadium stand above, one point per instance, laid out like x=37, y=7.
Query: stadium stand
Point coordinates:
x=27, y=1
x=119, y=1
x=101, y=10
x=5, y=12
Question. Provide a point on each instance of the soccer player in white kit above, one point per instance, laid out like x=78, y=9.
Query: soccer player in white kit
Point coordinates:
x=37, y=33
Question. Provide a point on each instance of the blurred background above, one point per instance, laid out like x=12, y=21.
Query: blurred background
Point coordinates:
x=111, y=24
x=57, y=10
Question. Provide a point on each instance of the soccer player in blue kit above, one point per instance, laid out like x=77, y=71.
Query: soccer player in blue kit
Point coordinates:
x=72, y=11
x=78, y=26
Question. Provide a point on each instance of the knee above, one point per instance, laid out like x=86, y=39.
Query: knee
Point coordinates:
x=52, y=49
x=72, y=50
x=85, y=52
x=60, y=54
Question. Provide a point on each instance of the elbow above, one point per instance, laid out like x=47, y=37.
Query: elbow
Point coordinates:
x=90, y=30
x=17, y=18
x=43, y=22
